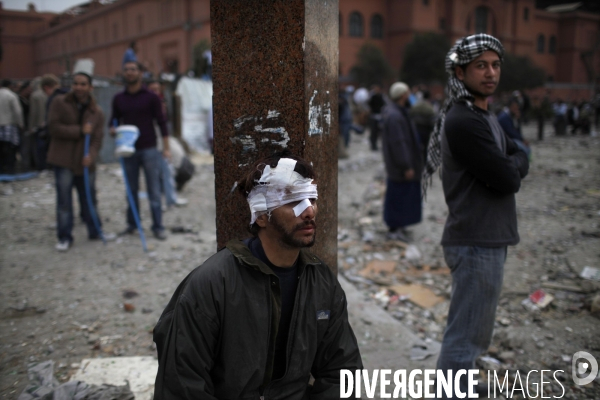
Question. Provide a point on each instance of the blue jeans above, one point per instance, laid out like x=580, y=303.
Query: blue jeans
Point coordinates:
x=150, y=161
x=167, y=184
x=477, y=274
x=65, y=181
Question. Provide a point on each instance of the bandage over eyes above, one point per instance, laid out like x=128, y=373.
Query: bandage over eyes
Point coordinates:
x=279, y=186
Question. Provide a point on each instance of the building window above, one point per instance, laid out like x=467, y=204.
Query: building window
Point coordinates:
x=425, y=2
x=442, y=24
x=526, y=14
x=341, y=21
x=481, y=20
x=377, y=27
x=552, y=45
x=140, y=22
x=356, y=24
x=541, y=41
x=115, y=31
x=95, y=37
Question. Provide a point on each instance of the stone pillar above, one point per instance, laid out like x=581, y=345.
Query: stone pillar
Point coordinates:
x=275, y=70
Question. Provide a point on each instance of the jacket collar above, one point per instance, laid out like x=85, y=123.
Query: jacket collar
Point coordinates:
x=70, y=97
x=243, y=253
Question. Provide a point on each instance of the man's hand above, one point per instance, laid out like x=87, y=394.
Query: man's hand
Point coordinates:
x=167, y=154
x=87, y=161
x=112, y=131
x=87, y=128
x=409, y=174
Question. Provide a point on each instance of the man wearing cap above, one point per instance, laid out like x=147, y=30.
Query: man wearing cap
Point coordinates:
x=482, y=170
x=71, y=117
x=261, y=316
x=403, y=158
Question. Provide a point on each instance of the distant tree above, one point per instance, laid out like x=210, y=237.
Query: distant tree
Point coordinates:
x=518, y=73
x=424, y=59
x=371, y=67
x=199, y=62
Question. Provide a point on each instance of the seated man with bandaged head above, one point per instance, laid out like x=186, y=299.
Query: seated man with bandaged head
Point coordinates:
x=261, y=316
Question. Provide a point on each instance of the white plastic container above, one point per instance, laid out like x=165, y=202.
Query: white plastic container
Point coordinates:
x=127, y=135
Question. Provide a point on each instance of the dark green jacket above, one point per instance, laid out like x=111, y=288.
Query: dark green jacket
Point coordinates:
x=216, y=338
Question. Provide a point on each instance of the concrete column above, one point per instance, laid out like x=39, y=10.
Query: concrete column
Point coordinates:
x=275, y=70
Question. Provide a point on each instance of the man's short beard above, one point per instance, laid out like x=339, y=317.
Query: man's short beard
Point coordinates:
x=287, y=238
x=476, y=93
x=132, y=82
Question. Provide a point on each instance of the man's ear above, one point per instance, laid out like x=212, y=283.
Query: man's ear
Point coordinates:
x=459, y=72
x=262, y=220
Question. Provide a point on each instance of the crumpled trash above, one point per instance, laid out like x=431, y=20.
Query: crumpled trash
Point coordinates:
x=43, y=385
x=489, y=363
x=590, y=273
x=412, y=253
x=540, y=298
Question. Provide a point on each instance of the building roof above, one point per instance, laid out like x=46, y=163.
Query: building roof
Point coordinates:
x=559, y=6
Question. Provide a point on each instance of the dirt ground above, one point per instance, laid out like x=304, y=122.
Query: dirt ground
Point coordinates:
x=101, y=301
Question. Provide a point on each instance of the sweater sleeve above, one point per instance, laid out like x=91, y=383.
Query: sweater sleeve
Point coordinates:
x=472, y=144
x=115, y=112
x=97, y=137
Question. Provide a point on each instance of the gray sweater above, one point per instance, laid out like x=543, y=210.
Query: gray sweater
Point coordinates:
x=481, y=172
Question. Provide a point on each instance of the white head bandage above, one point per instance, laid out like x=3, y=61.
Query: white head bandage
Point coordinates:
x=278, y=186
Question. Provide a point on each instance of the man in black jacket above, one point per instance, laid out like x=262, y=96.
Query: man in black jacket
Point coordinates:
x=482, y=170
x=261, y=316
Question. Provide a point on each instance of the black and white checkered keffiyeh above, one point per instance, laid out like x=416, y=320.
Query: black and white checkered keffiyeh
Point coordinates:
x=463, y=52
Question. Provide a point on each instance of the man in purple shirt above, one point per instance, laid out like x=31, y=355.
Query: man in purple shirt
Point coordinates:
x=138, y=106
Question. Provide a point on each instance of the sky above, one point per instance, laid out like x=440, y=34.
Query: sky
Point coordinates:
x=41, y=5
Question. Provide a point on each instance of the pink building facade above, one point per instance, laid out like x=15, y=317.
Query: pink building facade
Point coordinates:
x=565, y=44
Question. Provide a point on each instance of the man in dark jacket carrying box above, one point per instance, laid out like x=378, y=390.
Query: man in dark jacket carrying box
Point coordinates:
x=261, y=316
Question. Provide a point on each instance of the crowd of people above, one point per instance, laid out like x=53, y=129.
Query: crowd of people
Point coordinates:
x=309, y=333
x=263, y=315
x=44, y=125
x=399, y=124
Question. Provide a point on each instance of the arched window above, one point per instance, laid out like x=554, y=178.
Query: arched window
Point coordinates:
x=541, y=41
x=356, y=24
x=377, y=27
x=481, y=20
x=526, y=14
x=341, y=24
x=552, y=45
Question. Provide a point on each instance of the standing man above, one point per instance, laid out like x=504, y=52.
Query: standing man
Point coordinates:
x=36, y=122
x=510, y=121
x=262, y=315
x=423, y=115
x=403, y=160
x=376, y=103
x=71, y=117
x=138, y=106
x=482, y=170
x=11, y=120
x=50, y=86
x=167, y=171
